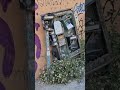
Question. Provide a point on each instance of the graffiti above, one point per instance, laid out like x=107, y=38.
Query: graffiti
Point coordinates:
x=37, y=25
x=111, y=13
x=79, y=13
x=38, y=44
x=36, y=6
x=5, y=4
x=7, y=42
x=2, y=87
x=81, y=27
x=81, y=23
x=79, y=8
x=43, y=3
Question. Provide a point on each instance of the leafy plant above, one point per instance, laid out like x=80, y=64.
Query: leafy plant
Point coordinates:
x=63, y=71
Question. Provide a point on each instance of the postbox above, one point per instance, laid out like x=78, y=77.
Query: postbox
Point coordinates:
x=61, y=29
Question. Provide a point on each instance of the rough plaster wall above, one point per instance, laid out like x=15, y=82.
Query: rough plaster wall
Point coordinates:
x=110, y=9
x=14, y=18
x=49, y=6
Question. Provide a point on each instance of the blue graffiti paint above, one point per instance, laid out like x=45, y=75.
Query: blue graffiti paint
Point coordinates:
x=80, y=8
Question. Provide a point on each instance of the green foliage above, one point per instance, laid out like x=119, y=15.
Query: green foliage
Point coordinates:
x=63, y=71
